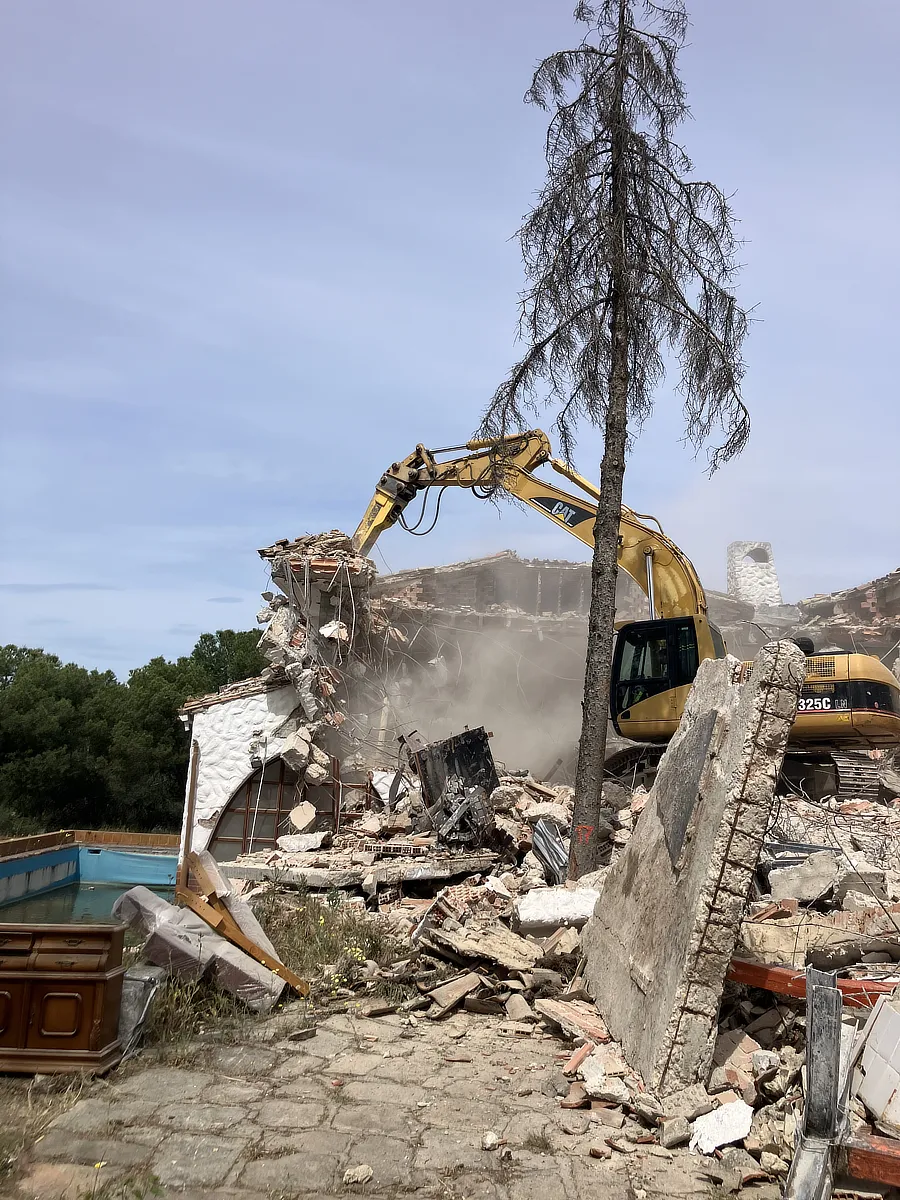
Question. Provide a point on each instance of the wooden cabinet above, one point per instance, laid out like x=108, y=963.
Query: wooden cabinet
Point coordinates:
x=60, y=995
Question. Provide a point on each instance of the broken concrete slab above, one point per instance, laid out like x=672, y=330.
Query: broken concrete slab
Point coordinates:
x=663, y=934
x=295, y=754
x=446, y=997
x=302, y=843
x=493, y=943
x=575, y=1018
x=542, y=910
x=303, y=816
x=722, y=1127
x=823, y=940
x=674, y=1131
x=808, y=881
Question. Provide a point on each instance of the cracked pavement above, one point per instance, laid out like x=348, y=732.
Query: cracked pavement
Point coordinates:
x=276, y=1118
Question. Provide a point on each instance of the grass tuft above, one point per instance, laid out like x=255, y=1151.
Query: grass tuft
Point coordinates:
x=537, y=1143
x=187, y=1010
x=310, y=933
x=137, y=1185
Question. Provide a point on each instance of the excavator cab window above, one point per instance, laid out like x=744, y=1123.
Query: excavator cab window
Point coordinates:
x=652, y=657
x=718, y=641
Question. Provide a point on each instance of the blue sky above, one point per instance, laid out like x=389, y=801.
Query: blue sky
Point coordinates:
x=252, y=253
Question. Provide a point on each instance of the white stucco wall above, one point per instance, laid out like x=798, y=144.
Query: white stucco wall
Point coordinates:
x=751, y=574
x=223, y=733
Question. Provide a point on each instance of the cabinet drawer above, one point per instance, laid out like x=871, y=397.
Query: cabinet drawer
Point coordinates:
x=14, y=962
x=14, y=941
x=58, y=961
x=95, y=943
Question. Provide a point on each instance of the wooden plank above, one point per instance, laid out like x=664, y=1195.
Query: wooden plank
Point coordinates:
x=868, y=1156
x=223, y=924
x=205, y=883
x=14, y=847
x=787, y=981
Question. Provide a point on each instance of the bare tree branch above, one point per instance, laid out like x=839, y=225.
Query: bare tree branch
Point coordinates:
x=629, y=265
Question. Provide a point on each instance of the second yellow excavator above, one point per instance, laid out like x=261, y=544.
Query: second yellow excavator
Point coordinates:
x=850, y=702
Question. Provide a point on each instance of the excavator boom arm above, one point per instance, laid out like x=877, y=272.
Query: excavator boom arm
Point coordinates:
x=658, y=567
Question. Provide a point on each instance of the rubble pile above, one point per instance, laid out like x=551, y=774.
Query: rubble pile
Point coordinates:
x=867, y=616
x=323, y=611
x=676, y=971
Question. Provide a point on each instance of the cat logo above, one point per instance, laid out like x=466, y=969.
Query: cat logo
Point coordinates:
x=569, y=514
x=563, y=511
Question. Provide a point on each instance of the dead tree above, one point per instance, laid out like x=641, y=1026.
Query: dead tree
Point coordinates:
x=629, y=267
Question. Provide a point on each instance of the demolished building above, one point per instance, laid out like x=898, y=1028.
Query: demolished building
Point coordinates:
x=358, y=661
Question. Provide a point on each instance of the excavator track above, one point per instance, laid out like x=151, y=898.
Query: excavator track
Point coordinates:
x=857, y=776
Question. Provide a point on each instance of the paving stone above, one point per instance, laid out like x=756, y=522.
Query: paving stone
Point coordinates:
x=389, y=1158
x=221, y=1193
x=223, y=1092
x=521, y=1126
x=375, y=1118
x=424, y=1071
x=60, y=1144
x=247, y=1062
x=296, y=1068
x=161, y=1085
x=355, y=1063
x=451, y=1114
x=195, y=1160
x=60, y=1181
x=383, y=1028
x=288, y=1114
x=378, y=1091
x=306, y=1087
x=203, y=1118
x=463, y=1185
x=595, y=1179
x=305, y=1141
x=289, y=1172
x=445, y=1151
x=326, y=1044
x=97, y=1116
x=685, y=1177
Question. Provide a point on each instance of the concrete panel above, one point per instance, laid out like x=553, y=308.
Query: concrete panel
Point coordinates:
x=666, y=923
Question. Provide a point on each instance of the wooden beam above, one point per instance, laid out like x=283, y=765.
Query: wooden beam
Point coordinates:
x=787, y=981
x=223, y=923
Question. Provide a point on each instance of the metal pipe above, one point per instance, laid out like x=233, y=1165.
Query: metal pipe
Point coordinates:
x=648, y=561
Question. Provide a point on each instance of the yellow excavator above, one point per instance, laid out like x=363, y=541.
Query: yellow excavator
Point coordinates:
x=850, y=702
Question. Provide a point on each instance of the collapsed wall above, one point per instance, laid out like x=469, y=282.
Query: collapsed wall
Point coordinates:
x=669, y=916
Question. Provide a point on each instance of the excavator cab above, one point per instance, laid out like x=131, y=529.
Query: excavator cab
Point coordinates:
x=654, y=664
